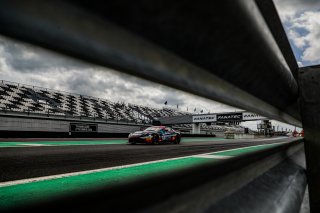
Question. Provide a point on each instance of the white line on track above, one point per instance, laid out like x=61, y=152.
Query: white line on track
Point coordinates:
x=268, y=139
x=24, y=145
x=50, y=177
x=214, y=156
x=32, y=144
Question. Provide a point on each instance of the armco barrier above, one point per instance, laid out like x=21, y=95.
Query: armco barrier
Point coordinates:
x=225, y=71
x=233, y=51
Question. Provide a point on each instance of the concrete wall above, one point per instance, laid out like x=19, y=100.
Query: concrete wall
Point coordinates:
x=32, y=124
x=46, y=125
x=15, y=123
x=219, y=134
x=113, y=128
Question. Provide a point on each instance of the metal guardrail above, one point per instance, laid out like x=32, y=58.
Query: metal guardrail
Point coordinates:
x=232, y=51
x=310, y=103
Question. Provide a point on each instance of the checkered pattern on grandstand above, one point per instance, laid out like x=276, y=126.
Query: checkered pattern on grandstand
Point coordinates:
x=30, y=99
x=24, y=98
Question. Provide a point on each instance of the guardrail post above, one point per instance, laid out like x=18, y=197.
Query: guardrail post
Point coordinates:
x=309, y=78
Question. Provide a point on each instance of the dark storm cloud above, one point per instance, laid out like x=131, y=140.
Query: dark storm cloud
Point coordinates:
x=171, y=96
x=102, y=84
x=138, y=82
x=26, y=58
x=21, y=57
x=82, y=84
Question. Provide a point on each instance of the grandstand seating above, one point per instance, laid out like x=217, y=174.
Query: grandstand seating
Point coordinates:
x=30, y=99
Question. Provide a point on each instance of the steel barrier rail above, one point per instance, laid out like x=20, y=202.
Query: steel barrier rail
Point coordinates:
x=263, y=176
x=219, y=50
x=309, y=78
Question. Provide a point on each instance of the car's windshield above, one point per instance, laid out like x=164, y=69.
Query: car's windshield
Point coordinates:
x=152, y=129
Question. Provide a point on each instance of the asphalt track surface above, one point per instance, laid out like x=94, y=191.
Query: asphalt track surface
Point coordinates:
x=29, y=162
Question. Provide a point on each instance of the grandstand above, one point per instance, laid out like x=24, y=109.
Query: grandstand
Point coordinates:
x=32, y=100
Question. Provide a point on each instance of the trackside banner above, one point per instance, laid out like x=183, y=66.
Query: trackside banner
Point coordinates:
x=247, y=116
x=229, y=117
x=204, y=118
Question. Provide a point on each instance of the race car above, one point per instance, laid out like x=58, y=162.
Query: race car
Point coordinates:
x=155, y=135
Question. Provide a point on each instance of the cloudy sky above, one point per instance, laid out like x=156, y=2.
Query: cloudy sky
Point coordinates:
x=301, y=20
x=23, y=63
